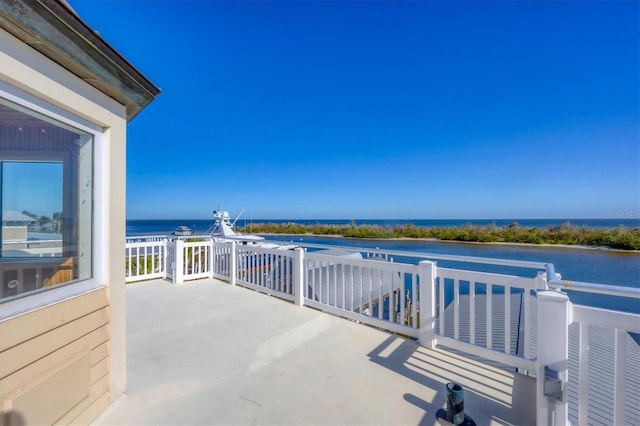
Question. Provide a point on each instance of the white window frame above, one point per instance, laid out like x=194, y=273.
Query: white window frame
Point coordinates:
x=99, y=239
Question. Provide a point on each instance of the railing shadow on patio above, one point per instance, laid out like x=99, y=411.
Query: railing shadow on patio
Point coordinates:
x=491, y=393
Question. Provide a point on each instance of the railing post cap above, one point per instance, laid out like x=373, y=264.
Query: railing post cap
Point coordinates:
x=553, y=296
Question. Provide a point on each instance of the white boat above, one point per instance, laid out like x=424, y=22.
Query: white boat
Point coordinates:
x=222, y=229
x=182, y=231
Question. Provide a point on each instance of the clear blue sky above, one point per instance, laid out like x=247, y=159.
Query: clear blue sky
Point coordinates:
x=382, y=109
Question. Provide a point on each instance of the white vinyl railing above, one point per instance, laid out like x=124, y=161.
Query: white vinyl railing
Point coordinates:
x=145, y=260
x=266, y=270
x=193, y=260
x=372, y=291
x=489, y=317
x=521, y=322
x=222, y=261
x=589, y=319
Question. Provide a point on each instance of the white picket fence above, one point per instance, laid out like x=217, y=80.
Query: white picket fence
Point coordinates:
x=517, y=322
x=146, y=260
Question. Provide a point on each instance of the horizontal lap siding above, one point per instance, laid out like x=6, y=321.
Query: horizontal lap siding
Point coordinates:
x=39, y=348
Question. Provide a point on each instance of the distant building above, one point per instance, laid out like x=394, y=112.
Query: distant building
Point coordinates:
x=65, y=99
x=14, y=218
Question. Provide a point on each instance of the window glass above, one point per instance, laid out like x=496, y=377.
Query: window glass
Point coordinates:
x=46, y=190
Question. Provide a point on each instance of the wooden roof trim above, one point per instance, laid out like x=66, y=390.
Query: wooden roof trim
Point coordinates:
x=55, y=30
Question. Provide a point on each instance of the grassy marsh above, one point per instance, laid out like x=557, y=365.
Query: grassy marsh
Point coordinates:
x=620, y=238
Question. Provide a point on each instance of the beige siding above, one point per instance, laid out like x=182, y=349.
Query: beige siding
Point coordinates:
x=74, y=350
x=54, y=362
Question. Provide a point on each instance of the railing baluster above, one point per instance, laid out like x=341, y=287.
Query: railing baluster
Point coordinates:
x=507, y=319
x=344, y=285
x=361, y=275
x=391, y=294
x=583, y=375
x=456, y=309
x=326, y=283
x=414, y=300
x=526, y=318
x=285, y=266
x=322, y=273
x=370, y=290
x=288, y=273
x=256, y=267
x=441, y=281
x=318, y=280
x=193, y=259
x=336, y=279
x=264, y=259
x=129, y=257
x=313, y=289
x=380, y=295
x=137, y=261
x=275, y=262
x=351, y=292
x=619, y=378
x=402, y=296
x=489, y=316
x=472, y=312
x=266, y=272
x=289, y=262
x=272, y=266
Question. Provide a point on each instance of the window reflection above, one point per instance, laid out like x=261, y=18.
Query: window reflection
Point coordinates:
x=46, y=200
x=31, y=209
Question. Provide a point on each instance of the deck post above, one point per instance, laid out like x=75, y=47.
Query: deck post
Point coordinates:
x=552, y=407
x=165, y=258
x=427, y=291
x=212, y=258
x=298, y=278
x=178, y=271
x=233, y=264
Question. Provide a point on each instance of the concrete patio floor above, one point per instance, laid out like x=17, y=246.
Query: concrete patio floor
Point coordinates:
x=205, y=352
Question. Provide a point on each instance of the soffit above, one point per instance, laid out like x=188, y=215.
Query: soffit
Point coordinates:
x=55, y=30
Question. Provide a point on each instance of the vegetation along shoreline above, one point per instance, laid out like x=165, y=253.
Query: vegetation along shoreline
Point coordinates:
x=620, y=238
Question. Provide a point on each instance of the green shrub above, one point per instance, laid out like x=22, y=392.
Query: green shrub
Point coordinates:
x=618, y=238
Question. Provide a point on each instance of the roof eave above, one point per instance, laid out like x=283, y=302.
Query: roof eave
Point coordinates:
x=55, y=30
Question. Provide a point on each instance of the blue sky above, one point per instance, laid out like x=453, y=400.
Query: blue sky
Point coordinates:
x=36, y=187
x=382, y=109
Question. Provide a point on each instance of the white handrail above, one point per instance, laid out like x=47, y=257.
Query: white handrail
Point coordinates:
x=437, y=256
x=612, y=290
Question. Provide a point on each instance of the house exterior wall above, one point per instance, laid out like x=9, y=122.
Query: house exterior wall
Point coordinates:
x=68, y=342
x=55, y=362
x=14, y=233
